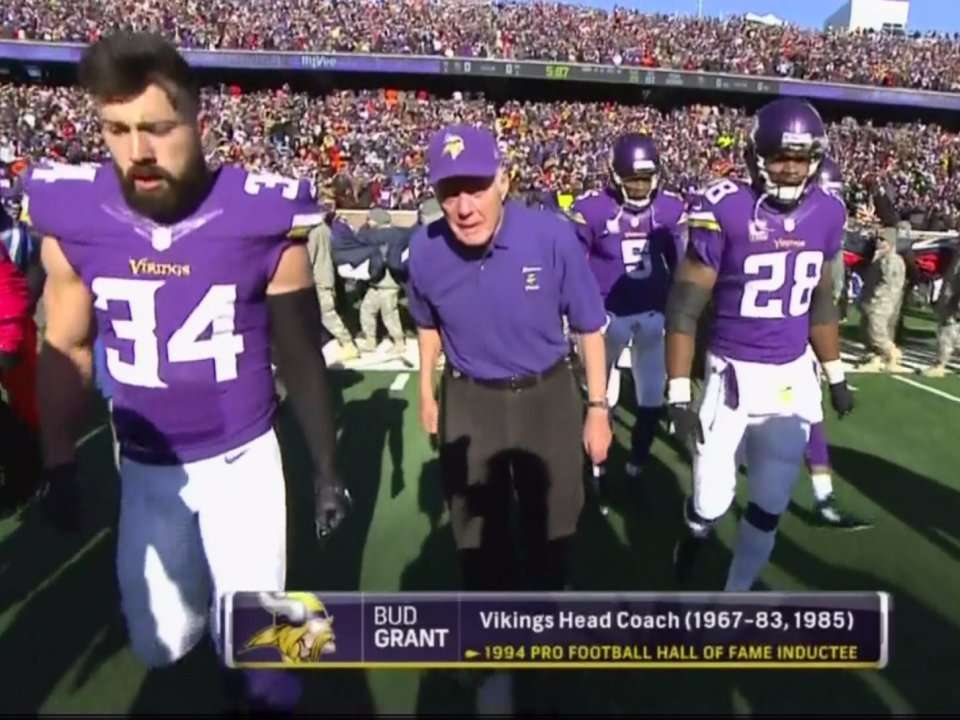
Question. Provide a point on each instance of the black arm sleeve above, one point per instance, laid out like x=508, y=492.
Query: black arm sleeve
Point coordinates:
x=823, y=311
x=295, y=329
x=685, y=305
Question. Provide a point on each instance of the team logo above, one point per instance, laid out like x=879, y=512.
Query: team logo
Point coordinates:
x=531, y=279
x=453, y=146
x=759, y=231
x=301, y=631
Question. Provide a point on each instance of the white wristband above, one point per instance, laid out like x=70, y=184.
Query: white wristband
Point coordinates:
x=678, y=390
x=833, y=369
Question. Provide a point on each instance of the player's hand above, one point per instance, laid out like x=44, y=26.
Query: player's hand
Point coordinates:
x=841, y=398
x=597, y=435
x=59, y=497
x=686, y=423
x=429, y=414
x=332, y=502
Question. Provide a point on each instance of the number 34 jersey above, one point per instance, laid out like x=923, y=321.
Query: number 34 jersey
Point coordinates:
x=768, y=262
x=181, y=309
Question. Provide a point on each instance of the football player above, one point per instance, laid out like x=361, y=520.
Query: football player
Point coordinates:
x=757, y=250
x=634, y=233
x=817, y=455
x=195, y=279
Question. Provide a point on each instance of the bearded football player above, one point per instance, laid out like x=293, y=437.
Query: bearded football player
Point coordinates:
x=196, y=279
x=758, y=250
x=634, y=235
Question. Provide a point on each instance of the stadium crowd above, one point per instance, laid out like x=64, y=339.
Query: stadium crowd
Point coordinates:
x=522, y=31
x=367, y=148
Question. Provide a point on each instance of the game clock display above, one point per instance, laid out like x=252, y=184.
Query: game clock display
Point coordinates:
x=569, y=630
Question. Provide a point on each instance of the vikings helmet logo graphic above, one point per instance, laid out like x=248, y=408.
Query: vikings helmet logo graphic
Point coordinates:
x=302, y=629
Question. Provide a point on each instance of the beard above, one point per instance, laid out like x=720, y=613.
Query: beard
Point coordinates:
x=173, y=199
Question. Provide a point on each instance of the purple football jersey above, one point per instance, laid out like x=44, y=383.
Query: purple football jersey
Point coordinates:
x=180, y=308
x=632, y=254
x=768, y=263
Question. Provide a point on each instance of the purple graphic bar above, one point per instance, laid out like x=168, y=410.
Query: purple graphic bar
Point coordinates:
x=759, y=630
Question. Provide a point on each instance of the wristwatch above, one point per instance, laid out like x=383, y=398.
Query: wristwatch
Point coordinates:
x=602, y=404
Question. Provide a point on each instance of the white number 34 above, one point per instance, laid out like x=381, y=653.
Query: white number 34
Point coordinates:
x=216, y=310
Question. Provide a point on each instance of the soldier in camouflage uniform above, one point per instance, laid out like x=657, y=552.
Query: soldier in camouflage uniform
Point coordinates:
x=880, y=303
x=947, y=309
x=321, y=260
x=382, y=298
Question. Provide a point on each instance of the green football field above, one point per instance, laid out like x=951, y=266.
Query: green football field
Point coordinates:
x=63, y=648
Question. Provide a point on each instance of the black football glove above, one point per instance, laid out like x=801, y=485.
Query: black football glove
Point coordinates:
x=59, y=497
x=686, y=423
x=332, y=502
x=841, y=398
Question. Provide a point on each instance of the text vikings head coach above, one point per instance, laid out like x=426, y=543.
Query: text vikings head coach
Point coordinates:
x=490, y=284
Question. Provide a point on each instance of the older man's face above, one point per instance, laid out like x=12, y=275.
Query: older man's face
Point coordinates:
x=473, y=206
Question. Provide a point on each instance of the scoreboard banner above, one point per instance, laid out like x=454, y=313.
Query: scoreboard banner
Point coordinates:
x=299, y=630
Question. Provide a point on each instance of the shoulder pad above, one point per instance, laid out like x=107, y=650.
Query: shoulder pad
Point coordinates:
x=278, y=205
x=48, y=188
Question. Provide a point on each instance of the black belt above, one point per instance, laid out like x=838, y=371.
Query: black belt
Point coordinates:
x=517, y=382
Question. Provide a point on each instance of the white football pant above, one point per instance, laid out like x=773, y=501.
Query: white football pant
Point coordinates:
x=644, y=333
x=191, y=533
x=775, y=407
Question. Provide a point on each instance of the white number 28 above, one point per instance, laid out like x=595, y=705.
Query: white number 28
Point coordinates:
x=216, y=310
x=806, y=275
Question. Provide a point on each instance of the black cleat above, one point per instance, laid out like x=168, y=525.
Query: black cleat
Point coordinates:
x=685, y=554
x=831, y=515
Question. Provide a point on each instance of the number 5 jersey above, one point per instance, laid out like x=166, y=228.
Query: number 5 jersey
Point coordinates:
x=181, y=309
x=632, y=253
x=767, y=262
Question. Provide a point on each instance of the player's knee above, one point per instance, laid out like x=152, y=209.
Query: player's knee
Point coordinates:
x=699, y=526
x=761, y=519
x=154, y=652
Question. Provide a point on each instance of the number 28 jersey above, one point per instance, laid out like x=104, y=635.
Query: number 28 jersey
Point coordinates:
x=181, y=309
x=768, y=262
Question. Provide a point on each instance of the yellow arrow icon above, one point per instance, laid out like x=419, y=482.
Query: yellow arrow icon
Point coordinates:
x=471, y=654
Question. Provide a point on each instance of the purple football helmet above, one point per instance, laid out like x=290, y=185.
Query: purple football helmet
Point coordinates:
x=830, y=177
x=787, y=125
x=635, y=155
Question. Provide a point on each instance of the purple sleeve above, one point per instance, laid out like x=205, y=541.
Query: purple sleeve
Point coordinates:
x=295, y=219
x=706, y=237
x=580, y=298
x=579, y=213
x=836, y=233
x=420, y=309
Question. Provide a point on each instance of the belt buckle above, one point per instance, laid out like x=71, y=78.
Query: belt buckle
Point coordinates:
x=514, y=383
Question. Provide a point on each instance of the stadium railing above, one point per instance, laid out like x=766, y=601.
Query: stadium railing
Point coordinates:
x=47, y=52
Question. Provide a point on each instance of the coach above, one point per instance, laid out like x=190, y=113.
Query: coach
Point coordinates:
x=490, y=283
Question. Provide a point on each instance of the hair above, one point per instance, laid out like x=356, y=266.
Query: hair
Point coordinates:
x=124, y=64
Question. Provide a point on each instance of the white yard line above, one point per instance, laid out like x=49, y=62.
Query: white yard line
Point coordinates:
x=399, y=382
x=921, y=386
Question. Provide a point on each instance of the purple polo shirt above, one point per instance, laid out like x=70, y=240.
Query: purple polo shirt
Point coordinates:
x=500, y=309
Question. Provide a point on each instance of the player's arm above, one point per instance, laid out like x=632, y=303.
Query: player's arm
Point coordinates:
x=689, y=295
x=64, y=377
x=297, y=350
x=825, y=340
x=65, y=365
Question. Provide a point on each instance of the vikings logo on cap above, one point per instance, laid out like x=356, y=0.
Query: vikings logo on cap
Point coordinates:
x=453, y=146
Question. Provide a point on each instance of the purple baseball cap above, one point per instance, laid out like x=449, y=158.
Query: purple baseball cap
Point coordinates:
x=462, y=151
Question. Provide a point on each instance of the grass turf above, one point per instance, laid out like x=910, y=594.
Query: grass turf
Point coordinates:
x=63, y=648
